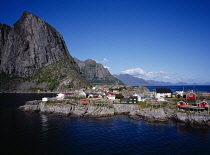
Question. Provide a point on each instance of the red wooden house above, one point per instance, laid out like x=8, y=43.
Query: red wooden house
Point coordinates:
x=201, y=105
x=181, y=104
x=191, y=96
x=204, y=105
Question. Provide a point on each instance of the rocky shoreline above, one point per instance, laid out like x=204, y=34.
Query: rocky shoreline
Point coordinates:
x=103, y=110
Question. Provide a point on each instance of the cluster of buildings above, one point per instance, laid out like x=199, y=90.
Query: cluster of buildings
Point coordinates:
x=189, y=95
x=118, y=96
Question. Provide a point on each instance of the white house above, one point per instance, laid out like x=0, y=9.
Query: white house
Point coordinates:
x=180, y=92
x=60, y=96
x=163, y=92
x=139, y=96
x=110, y=96
x=45, y=99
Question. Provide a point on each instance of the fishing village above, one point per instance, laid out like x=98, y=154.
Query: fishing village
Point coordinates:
x=137, y=102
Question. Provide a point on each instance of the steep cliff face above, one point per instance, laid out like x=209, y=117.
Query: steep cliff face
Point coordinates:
x=95, y=73
x=4, y=31
x=32, y=44
x=31, y=48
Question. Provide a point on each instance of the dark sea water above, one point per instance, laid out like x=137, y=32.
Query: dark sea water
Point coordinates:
x=34, y=133
x=195, y=88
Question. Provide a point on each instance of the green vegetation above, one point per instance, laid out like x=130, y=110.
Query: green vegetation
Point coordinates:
x=174, y=100
x=142, y=104
x=4, y=78
x=52, y=75
x=5, y=81
x=118, y=96
x=51, y=102
x=53, y=85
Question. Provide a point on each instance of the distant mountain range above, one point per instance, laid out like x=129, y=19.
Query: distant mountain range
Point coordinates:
x=135, y=81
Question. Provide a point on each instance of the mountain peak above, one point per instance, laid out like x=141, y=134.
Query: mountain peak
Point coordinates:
x=27, y=16
x=95, y=73
x=33, y=45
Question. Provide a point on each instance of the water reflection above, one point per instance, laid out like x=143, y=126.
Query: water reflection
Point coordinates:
x=44, y=120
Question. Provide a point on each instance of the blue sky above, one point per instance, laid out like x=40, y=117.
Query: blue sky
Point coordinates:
x=165, y=40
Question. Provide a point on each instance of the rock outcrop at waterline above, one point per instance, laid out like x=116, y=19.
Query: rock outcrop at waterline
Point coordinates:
x=71, y=109
x=103, y=110
x=35, y=51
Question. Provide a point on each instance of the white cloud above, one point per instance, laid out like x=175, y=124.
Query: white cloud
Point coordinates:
x=107, y=67
x=166, y=77
x=139, y=72
x=105, y=60
x=135, y=71
x=162, y=74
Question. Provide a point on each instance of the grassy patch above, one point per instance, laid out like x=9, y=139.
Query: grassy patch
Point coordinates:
x=52, y=75
x=142, y=104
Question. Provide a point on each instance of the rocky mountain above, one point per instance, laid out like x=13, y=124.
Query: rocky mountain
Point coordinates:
x=34, y=54
x=135, y=81
x=95, y=73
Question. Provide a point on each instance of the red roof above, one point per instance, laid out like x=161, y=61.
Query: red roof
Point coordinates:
x=65, y=93
x=182, y=104
x=203, y=104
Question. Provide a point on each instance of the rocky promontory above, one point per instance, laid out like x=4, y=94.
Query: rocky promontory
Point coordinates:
x=73, y=109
